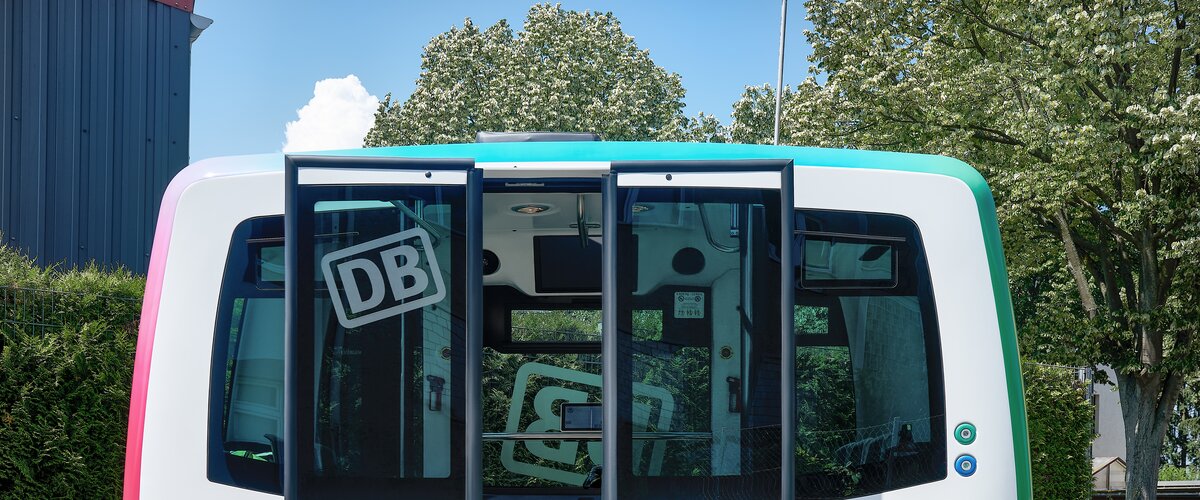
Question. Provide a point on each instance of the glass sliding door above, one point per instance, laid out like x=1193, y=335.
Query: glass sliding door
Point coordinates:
x=696, y=408
x=382, y=332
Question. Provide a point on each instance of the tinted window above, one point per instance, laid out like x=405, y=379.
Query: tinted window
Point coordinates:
x=576, y=325
x=869, y=404
x=524, y=391
x=549, y=325
x=699, y=405
x=379, y=341
x=246, y=389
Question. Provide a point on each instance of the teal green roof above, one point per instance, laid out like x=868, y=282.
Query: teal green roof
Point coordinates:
x=642, y=151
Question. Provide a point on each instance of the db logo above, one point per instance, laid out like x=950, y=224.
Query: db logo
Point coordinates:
x=537, y=382
x=382, y=278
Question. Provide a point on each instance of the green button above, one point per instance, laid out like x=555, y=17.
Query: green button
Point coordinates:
x=965, y=433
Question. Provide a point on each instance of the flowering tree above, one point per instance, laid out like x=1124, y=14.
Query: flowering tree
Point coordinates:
x=566, y=71
x=1085, y=118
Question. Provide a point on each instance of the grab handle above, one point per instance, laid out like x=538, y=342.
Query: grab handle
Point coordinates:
x=735, y=394
x=436, y=384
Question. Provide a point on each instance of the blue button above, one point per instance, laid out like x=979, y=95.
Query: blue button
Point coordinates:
x=965, y=465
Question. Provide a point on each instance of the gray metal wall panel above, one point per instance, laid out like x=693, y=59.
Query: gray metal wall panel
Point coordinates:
x=93, y=125
x=6, y=113
x=60, y=235
x=30, y=124
x=130, y=114
x=160, y=64
x=96, y=160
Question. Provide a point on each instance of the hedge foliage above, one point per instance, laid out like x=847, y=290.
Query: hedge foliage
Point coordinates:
x=67, y=340
x=1060, y=433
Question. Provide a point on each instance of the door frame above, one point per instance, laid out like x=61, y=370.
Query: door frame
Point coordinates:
x=752, y=174
x=316, y=170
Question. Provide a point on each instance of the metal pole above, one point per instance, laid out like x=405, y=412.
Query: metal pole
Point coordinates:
x=787, y=340
x=290, y=474
x=474, y=333
x=610, y=392
x=779, y=86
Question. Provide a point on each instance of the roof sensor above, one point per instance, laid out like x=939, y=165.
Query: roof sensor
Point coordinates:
x=536, y=137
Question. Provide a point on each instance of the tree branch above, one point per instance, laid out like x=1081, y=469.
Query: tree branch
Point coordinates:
x=1132, y=298
x=1095, y=90
x=1085, y=246
x=1098, y=216
x=1170, y=228
x=1173, y=81
x=992, y=135
x=1118, y=178
x=1104, y=198
x=1166, y=401
x=1150, y=338
x=1168, y=274
x=1091, y=87
x=1073, y=262
x=1103, y=270
x=1046, y=223
x=1001, y=29
x=1100, y=268
x=978, y=46
x=855, y=130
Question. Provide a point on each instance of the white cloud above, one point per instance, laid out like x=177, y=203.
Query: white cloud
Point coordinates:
x=337, y=117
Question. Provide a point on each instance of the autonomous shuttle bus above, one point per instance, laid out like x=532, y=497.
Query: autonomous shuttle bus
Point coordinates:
x=578, y=320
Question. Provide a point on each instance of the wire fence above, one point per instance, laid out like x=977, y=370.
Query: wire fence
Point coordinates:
x=39, y=311
x=1079, y=371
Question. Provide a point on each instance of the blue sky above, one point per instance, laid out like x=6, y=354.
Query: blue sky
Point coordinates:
x=258, y=62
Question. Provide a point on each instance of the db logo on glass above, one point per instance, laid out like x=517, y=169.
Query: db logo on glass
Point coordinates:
x=383, y=277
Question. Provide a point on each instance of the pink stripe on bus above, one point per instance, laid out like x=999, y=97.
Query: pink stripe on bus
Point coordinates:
x=145, y=342
x=153, y=296
x=206, y=169
x=149, y=319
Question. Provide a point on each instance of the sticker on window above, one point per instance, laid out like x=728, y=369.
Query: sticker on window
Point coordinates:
x=383, y=277
x=556, y=461
x=689, y=305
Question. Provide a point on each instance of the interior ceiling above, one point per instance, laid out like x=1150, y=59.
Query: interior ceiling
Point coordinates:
x=562, y=215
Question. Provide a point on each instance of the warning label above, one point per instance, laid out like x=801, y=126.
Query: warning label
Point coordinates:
x=689, y=305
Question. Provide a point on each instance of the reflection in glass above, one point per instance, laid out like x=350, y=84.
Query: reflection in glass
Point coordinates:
x=700, y=400
x=868, y=375
x=384, y=332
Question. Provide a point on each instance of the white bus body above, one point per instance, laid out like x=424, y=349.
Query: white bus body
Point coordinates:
x=433, y=307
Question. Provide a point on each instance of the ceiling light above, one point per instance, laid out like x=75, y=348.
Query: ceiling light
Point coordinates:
x=530, y=208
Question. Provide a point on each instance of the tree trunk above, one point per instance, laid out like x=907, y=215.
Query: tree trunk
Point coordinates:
x=1146, y=403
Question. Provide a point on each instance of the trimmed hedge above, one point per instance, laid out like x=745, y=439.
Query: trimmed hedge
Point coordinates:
x=1060, y=433
x=67, y=340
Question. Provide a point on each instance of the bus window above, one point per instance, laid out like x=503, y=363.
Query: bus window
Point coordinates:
x=551, y=325
x=699, y=405
x=379, y=341
x=869, y=404
x=870, y=410
x=548, y=356
x=246, y=389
